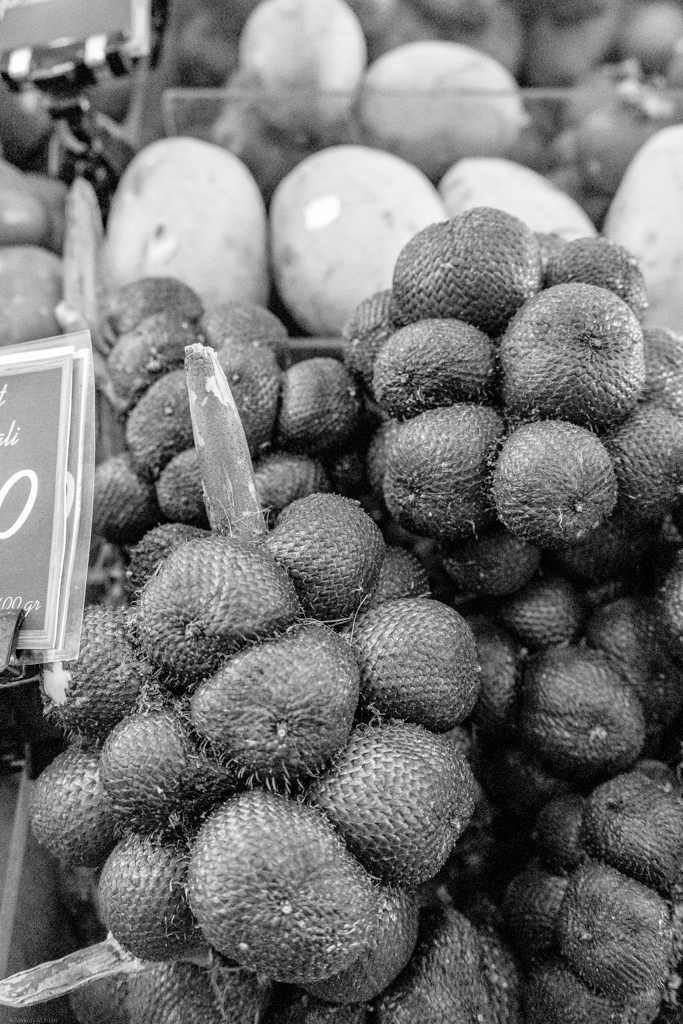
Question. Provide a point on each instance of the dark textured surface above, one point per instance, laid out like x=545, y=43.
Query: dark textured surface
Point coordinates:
x=499, y=657
x=152, y=770
x=494, y=564
x=320, y=408
x=124, y=504
x=70, y=813
x=179, y=490
x=303, y=1008
x=553, y=994
x=530, y=908
x=436, y=477
x=609, y=551
x=282, y=708
x=616, y=934
x=670, y=609
x=548, y=610
x=241, y=322
x=664, y=368
x=402, y=575
x=160, y=425
x=601, y=262
x=365, y=332
x=333, y=552
x=480, y=267
x=578, y=714
x=143, y=902
x=154, y=346
x=574, y=352
x=127, y=306
x=102, y=1002
x=274, y=889
x=629, y=632
x=390, y=950
x=376, y=456
x=515, y=779
x=211, y=597
x=553, y=483
x=181, y=993
x=432, y=363
x=105, y=679
x=254, y=378
x=635, y=824
x=282, y=477
x=148, y=554
x=400, y=796
x=647, y=455
x=418, y=662
x=558, y=833
x=458, y=975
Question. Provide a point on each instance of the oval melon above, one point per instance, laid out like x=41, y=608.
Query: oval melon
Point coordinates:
x=433, y=102
x=516, y=189
x=188, y=209
x=646, y=216
x=308, y=55
x=338, y=222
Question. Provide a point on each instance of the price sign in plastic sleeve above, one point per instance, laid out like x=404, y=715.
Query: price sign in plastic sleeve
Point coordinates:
x=34, y=434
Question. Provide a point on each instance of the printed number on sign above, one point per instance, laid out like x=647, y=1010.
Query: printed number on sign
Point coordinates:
x=30, y=501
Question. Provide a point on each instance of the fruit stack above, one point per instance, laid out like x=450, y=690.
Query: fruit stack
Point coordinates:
x=267, y=743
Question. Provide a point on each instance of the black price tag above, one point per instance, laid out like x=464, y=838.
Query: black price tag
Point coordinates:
x=46, y=470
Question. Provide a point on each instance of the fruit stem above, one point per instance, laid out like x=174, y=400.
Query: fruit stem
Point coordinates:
x=230, y=496
x=58, y=977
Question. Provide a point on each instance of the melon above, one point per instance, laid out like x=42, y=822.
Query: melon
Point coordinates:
x=188, y=209
x=338, y=222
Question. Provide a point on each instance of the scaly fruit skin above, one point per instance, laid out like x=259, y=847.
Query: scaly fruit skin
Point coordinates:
x=143, y=901
x=389, y=952
x=365, y=332
x=282, y=478
x=458, y=975
x=500, y=664
x=274, y=889
x=437, y=471
x=579, y=715
x=103, y=683
x=333, y=552
x=155, y=346
x=553, y=994
x=603, y=263
x=548, y=610
x=125, y=506
x=430, y=364
x=211, y=597
x=241, y=322
x=402, y=575
x=152, y=770
x=418, y=662
x=574, y=352
x=400, y=796
x=553, y=483
x=152, y=550
x=320, y=408
x=181, y=993
x=530, y=907
x=129, y=305
x=494, y=564
x=254, y=378
x=281, y=709
x=664, y=368
x=480, y=267
x=179, y=490
x=160, y=425
x=70, y=812
x=616, y=934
